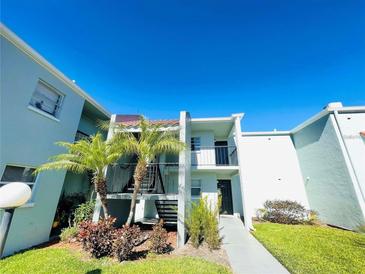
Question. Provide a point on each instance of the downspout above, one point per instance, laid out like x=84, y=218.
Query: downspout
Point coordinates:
x=357, y=184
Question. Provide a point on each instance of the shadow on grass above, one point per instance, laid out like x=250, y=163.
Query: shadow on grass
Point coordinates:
x=95, y=271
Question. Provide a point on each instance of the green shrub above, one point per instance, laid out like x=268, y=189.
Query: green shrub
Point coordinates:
x=69, y=233
x=195, y=222
x=84, y=212
x=211, y=230
x=66, y=207
x=202, y=224
x=97, y=238
x=126, y=239
x=284, y=212
x=158, y=239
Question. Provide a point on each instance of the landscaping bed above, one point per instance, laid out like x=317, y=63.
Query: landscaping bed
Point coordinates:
x=69, y=258
x=313, y=249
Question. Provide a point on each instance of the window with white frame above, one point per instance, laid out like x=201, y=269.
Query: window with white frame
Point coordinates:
x=195, y=144
x=196, y=188
x=47, y=99
x=18, y=174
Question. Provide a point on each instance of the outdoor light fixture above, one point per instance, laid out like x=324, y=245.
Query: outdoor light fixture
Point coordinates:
x=12, y=195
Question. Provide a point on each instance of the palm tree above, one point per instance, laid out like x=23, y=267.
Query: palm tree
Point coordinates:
x=88, y=155
x=150, y=142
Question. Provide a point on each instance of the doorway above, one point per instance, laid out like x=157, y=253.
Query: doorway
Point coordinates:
x=221, y=153
x=224, y=188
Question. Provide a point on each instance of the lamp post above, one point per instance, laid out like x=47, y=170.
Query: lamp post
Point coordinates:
x=12, y=195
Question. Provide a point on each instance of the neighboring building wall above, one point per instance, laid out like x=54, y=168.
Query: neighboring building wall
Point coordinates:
x=327, y=180
x=351, y=124
x=270, y=171
x=80, y=183
x=27, y=139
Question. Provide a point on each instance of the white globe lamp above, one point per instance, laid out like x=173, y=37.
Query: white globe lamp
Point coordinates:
x=12, y=195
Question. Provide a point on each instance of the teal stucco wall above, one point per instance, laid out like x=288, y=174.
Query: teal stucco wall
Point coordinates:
x=28, y=137
x=79, y=183
x=327, y=180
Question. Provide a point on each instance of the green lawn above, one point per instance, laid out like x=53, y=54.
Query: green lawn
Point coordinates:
x=62, y=260
x=314, y=249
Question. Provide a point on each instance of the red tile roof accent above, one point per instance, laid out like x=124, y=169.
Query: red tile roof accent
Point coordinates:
x=133, y=120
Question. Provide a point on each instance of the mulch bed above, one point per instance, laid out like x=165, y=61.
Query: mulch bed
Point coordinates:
x=216, y=256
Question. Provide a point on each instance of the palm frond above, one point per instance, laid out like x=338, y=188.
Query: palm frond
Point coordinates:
x=62, y=165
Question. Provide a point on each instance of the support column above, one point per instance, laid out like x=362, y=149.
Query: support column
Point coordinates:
x=184, y=187
x=4, y=228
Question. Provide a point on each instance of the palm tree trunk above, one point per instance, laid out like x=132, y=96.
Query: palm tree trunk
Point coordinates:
x=139, y=174
x=101, y=189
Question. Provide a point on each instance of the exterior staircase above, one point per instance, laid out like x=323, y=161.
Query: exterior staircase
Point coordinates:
x=167, y=210
x=152, y=182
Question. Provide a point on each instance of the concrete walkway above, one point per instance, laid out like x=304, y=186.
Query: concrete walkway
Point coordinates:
x=246, y=255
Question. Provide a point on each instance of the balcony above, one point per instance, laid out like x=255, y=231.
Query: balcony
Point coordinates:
x=214, y=156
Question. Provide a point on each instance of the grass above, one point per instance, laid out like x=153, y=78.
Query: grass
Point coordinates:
x=64, y=260
x=314, y=249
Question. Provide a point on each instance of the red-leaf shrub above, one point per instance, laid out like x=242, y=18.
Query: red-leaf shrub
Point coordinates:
x=97, y=238
x=158, y=239
x=126, y=239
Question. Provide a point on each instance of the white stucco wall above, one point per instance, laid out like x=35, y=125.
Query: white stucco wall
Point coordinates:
x=208, y=186
x=270, y=171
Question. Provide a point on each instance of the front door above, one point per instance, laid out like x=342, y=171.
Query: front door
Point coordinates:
x=224, y=187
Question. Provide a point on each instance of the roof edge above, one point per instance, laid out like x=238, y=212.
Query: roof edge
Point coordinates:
x=23, y=46
x=326, y=111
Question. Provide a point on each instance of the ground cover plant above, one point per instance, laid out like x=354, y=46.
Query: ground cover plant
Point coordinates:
x=313, y=249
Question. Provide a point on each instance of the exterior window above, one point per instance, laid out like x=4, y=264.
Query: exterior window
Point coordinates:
x=18, y=174
x=47, y=99
x=195, y=144
x=80, y=136
x=196, y=188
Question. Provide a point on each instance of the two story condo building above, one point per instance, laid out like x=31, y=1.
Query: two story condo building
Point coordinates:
x=320, y=163
x=39, y=106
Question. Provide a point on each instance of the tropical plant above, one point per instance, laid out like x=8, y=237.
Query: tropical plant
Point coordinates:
x=202, y=224
x=98, y=238
x=126, y=239
x=88, y=155
x=159, y=239
x=84, y=212
x=150, y=142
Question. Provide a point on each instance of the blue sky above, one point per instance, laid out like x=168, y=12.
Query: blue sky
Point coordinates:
x=278, y=61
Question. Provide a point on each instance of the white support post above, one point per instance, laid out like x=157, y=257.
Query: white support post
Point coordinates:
x=184, y=191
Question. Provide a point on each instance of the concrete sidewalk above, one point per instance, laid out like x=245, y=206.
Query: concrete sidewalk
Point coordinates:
x=246, y=255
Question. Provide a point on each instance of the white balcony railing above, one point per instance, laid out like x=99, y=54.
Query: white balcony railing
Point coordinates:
x=214, y=156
